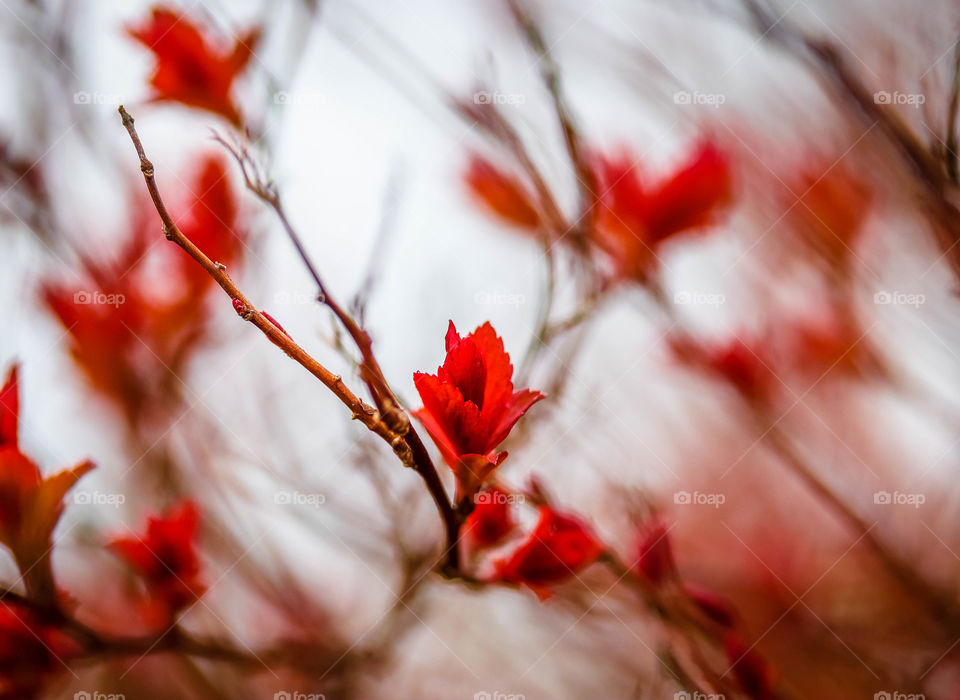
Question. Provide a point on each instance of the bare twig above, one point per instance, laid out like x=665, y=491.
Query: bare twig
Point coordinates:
x=398, y=433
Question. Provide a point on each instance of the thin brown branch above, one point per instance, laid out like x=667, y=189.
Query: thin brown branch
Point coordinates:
x=398, y=434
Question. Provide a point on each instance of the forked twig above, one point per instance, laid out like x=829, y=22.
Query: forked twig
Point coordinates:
x=401, y=437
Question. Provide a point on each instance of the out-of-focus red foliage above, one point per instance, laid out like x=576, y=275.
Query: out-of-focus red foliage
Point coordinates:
x=654, y=559
x=30, y=650
x=502, y=194
x=560, y=546
x=9, y=410
x=746, y=365
x=30, y=504
x=634, y=217
x=802, y=352
x=136, y=319
x=492, y=518
x=833, y=205
x=469, y=405
x=712, y=605
x=191, y=67
x=165, y=556
x=751, y=670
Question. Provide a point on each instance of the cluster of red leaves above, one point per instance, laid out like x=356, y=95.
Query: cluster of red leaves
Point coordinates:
x=135, y=320
x=469, y=405
x=191, y=68
x=634, y=217
x=166, y=559
x=555, y=550
x=30, y=508
x=133, y=323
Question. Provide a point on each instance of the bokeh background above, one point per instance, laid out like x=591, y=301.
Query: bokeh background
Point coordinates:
x=829, y=281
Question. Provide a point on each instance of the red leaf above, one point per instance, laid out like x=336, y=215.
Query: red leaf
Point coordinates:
x=190, y=67
x=166, y=557
x=469, y=406
x=559, y=547
x=491, y=519
x=9, y=410
x=502, y=194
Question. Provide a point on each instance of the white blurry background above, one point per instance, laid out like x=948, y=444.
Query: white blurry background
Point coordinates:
x=363, y=123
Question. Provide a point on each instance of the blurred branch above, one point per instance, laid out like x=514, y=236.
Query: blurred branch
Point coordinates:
x=586, y=181
x=835, y=67
x=391, y=204
x=951, y=156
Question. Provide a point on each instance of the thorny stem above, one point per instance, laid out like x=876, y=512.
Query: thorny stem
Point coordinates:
x=402, y=439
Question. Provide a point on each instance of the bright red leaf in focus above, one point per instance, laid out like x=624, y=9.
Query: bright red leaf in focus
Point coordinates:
x=165, y=556
x=559, y=547
x=469, y=405
x=191, y=68
x=634, y=218
x=502, y=194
